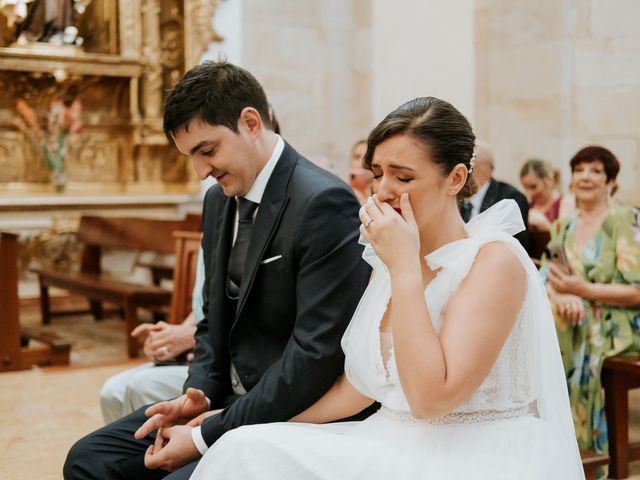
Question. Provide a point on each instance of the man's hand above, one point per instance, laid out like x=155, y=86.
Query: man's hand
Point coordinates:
x=164, y=341
x=201, y=418
x=173, y=412
x=172, y=449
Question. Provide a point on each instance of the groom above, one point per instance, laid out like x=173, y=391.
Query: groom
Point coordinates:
x=283, y=275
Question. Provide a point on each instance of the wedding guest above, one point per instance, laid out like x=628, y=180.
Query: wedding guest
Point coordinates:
x=491, y=191
x=283, y=275
x=539, y=181
x=166, y=347
x=595, y=290
x=359, y=177
x=453, y=336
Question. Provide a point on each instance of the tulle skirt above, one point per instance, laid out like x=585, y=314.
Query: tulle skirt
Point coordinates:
x=386, y=448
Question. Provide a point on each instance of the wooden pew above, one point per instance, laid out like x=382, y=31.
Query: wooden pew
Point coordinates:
x=619, y=375
x=140, y=234
x=187, y=245
x=591, y=462
x=163, y=269
x=15, y=351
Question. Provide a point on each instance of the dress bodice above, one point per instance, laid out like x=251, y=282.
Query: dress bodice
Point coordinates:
x=509, y=383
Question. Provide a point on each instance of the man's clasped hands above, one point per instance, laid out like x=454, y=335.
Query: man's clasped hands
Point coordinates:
x=173, y=421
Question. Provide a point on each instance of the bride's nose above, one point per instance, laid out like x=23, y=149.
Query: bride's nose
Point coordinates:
x=384, y=192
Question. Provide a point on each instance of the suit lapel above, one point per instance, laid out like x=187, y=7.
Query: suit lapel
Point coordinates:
x=272, y=206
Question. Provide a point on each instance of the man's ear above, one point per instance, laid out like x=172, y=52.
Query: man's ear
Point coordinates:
x=250, y=119
x=457, y=178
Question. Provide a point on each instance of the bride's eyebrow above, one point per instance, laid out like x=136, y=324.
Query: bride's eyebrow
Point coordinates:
x=395, y=166
x=401, y=167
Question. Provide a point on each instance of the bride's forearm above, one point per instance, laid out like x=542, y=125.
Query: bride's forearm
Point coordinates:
x=440, y=370
x=341, y=401
x=419, y=355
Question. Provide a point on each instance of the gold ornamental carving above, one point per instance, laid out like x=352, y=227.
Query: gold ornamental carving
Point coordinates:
x=199, y=29
x=134, y=51
x=130, y=28
x=57, y=248
x=11, y=157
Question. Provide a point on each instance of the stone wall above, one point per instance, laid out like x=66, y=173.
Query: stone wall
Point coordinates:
x=313, y=60
x=536, y=78
x=555, y=75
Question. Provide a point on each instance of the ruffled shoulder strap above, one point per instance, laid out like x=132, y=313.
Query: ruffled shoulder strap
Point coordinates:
x=500, y=222
x=504, y=217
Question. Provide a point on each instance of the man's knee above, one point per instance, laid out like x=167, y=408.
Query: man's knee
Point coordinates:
x=111, y=452
x=80, y=461
x=111, y=397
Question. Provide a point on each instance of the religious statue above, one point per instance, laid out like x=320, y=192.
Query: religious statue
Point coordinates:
x=51, y=21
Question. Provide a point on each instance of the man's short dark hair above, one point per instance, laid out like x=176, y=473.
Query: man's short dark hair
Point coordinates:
x=215, y=93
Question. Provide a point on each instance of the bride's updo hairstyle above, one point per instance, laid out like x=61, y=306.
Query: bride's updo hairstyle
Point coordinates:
x=442, y=130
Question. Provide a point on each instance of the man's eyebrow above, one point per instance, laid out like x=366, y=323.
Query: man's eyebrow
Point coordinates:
x=199, y=146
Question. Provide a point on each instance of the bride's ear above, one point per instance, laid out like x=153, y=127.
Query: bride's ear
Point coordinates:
x=457, y=179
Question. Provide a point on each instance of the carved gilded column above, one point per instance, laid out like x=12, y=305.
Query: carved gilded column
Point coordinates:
x=198, y=29
x=152, y=80
x=130, y=29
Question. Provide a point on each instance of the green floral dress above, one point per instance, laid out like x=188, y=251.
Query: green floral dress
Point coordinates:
x=612, y=256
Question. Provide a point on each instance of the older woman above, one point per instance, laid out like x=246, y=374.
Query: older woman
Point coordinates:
x=595, y=297
x=537, y=179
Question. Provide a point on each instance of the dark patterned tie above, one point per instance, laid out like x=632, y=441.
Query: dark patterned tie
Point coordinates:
x=240, y=246
x=466, y=209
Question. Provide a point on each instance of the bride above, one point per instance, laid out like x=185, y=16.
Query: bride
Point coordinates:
x=453, y=336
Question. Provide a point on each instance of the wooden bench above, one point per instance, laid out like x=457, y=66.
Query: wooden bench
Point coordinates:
x=140, y=234
x=591, y=462
x=16, y=353
x=619, y=375
x=187, y=245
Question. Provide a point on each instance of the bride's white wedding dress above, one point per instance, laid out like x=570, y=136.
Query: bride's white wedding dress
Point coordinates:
x=517, y=425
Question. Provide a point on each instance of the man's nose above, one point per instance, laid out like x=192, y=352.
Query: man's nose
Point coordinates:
x=202, y=169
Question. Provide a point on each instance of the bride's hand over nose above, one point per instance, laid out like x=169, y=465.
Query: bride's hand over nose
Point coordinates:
x=394, y=237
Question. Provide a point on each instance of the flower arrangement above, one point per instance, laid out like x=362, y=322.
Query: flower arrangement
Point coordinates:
x=52, y=134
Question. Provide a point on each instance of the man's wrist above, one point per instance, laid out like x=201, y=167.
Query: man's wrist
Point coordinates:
x=198, y=440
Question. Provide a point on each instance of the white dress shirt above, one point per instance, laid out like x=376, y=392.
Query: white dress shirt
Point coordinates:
x=477, y=198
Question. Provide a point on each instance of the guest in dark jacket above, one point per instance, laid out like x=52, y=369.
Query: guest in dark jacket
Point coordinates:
x=491, y=191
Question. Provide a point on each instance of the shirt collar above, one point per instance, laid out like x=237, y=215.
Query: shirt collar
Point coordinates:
x=256, y=191
x=478, y=197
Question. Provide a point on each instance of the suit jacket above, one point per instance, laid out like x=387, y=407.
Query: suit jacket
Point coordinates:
x=283, y=333
x=499, y=191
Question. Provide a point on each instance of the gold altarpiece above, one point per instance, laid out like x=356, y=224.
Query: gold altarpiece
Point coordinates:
x=133, y=52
